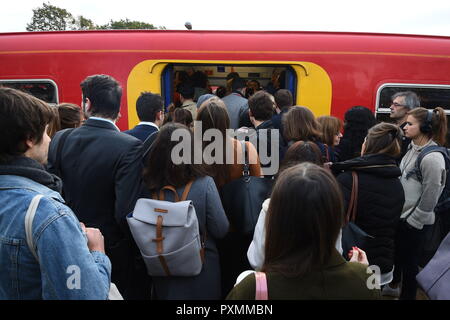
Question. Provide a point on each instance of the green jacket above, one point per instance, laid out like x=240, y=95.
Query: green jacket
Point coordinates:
x=338, y=279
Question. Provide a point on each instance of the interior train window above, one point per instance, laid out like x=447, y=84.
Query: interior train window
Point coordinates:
x=431, y=96
x=215, y=78
x=45, y=90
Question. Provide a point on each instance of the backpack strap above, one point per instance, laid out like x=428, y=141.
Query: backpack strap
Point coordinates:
x=427, y=150
x=261, y=292
x=161, y=193
x=29, y=217
x=186, y=190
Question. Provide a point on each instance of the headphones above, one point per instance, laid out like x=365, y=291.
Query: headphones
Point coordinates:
x=426, y=126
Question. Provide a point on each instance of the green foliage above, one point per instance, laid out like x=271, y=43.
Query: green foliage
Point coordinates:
x=82, y=23
x=52, y=18
x=127, y=24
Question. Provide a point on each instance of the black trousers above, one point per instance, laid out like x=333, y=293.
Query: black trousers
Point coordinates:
x=409, y=243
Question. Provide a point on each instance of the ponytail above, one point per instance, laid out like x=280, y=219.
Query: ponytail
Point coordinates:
x=439, y=126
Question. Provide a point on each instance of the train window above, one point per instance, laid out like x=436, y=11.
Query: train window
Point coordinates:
x=431, y=96
x=45, y=90
x=209, y=78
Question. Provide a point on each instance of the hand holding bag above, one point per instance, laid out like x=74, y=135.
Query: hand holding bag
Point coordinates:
x=352, y=235
x=113, y=294
x=243, y=198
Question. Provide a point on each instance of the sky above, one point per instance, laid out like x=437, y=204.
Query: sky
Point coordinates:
x=431, y=17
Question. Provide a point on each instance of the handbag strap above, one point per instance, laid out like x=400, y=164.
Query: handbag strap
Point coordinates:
x=261, y=292
x=353, y=204
x=29, y=217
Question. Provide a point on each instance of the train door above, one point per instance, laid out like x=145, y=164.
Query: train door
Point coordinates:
x=308, y=82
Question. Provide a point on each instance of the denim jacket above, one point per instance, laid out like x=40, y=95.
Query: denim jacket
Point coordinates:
x=66, y=268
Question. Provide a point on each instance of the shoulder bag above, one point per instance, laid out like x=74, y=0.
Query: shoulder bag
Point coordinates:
x=352, y=235
x=242, y=198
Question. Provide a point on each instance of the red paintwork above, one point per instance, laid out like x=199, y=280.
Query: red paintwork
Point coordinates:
x=355, y=77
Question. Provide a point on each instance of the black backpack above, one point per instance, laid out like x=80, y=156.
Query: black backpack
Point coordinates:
x=441, y=226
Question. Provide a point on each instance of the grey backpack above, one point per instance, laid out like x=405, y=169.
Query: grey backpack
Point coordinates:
x=167, y=234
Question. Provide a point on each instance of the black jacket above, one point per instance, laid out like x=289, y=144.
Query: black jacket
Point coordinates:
x=267, y=139
x=101, y=171
x=380, y=202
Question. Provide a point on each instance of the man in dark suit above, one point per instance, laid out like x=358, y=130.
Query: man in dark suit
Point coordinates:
x=101, y=171
x=149, y=109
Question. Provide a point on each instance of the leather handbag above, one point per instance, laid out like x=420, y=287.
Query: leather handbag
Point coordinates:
x=352, y=235
x=434, y=279
x=242, y=198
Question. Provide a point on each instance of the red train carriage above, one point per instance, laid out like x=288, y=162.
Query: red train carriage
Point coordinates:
x=327, y=72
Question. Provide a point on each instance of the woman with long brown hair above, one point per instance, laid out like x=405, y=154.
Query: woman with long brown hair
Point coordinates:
x=299, y=152
x=161, y=171
x=213, y=115
x=304, y=219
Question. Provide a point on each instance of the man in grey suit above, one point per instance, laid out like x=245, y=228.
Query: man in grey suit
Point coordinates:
x=101, y=172
x=236, y=103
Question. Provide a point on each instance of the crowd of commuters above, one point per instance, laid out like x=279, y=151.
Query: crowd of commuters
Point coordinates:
x=90, y=176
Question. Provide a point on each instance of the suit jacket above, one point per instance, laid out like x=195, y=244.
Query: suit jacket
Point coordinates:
x=141, y=131
x=236, y=107
x=101, y=172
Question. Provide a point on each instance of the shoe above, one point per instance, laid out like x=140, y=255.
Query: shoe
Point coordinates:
x=388, y=291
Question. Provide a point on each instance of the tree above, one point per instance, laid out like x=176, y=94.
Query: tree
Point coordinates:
x=50, y=18
x=82, y=23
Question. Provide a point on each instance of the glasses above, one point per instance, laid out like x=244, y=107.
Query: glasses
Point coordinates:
x=395, y=104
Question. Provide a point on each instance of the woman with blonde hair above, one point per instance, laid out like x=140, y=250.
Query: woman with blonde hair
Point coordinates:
x=213, y=115
x=300, y=261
